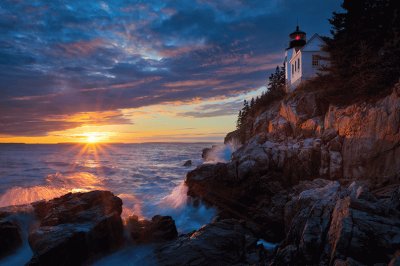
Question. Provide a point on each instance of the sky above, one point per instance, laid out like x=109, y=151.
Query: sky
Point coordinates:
x=140, y=71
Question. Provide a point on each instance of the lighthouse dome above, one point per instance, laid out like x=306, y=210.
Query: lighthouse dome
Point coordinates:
x=297, y=38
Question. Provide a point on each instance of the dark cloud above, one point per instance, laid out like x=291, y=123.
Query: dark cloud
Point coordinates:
x=58, y=58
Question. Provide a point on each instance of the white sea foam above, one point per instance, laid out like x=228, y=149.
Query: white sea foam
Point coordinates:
x=55, y=185
x=24, y=217
x=177, y=198
x=222, y=153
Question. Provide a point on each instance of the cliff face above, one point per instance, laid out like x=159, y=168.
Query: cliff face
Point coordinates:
x=305, y=134
x=323, y=180
x=371, y=137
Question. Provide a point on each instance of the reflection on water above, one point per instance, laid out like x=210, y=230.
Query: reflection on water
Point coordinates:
x=147, y=177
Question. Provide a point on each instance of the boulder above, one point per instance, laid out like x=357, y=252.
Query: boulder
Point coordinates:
x=188, y=163
x=205, y=153
x=225, y=242
x=14, y=222
x=160, y=228
x=208, y=172
x=75, y=228
x=232, y=137
x=247, y=198
x=10, y=236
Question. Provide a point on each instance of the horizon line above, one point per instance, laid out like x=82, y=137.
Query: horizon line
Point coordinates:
x=86, y=143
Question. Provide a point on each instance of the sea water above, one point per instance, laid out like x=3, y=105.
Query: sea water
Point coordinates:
x=149, y=178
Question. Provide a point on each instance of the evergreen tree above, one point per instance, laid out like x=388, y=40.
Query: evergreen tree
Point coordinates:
x=276, y=90
x=246, y=108
x=239, y=120
x=251, y=103
x=276, y=82
x=365, y=47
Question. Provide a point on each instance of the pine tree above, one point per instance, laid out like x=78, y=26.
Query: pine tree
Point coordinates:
x=239, y=120
x=364, y=50
x=276, y=81
x=275, y=91
x=246, y=108
x=252, y=103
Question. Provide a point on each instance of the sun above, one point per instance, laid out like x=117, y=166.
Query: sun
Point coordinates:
x=94, y=137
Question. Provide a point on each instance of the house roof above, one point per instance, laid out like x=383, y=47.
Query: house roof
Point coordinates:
x=313, y=44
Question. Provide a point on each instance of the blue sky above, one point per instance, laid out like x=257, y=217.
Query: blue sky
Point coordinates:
x=61, y=60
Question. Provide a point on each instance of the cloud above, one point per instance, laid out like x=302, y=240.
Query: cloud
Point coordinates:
x=59, y=59
x=215, y=109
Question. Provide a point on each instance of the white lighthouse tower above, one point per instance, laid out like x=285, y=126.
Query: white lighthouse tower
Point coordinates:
x=303, y=59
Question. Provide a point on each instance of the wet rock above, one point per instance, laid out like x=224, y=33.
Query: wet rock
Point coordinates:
x=232, y=137
x=208, y=172
x=205, y=153
x=76, y=228
x=160, y=228
x=10, y=236
x=274, y=179
x=225, y=242
x=247, y=198
x=188, y=163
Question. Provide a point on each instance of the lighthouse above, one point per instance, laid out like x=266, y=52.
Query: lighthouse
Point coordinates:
x=303, y=58
x=297, y=39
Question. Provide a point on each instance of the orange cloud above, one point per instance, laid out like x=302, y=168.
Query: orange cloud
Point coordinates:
x=92, y=118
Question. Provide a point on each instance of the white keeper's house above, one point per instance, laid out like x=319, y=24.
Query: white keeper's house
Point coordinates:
x=303, y=59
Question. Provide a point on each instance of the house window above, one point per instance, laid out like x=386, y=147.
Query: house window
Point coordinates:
x=298, y=64
x=315, y=60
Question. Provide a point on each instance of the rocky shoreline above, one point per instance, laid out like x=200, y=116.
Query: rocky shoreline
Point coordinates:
x=80, y=228
x=322, y=182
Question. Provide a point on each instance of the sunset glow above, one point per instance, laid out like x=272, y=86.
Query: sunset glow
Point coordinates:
x=132, y=72
x=94, y=137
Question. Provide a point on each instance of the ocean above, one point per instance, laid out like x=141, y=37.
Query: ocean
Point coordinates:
x=149, y=178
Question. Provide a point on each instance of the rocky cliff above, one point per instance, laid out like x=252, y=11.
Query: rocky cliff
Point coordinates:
x=320, y=179
x=360, y=140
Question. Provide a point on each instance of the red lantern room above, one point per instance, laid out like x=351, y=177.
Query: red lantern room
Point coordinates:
x=297, y=39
